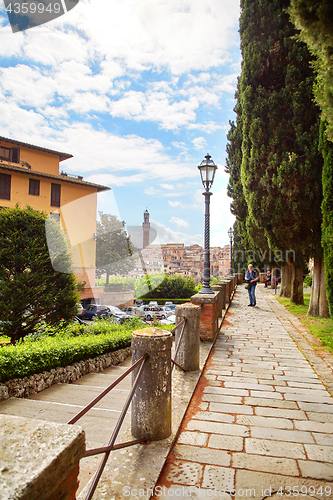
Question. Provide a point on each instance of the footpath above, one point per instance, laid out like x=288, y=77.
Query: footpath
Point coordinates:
x=256, y=422
x=260, y=423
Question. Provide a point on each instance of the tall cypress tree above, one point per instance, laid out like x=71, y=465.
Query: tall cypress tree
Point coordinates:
x=281, y=168
x=326, y=148
x=314, y=18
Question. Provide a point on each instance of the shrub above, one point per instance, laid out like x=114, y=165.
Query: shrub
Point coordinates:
x=308, y=280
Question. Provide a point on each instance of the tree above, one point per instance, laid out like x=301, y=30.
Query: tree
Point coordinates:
x=30, y=285
x=281, y=168
x=326, y=148
x=174, y=287
x=113, y=248
x=314, y=19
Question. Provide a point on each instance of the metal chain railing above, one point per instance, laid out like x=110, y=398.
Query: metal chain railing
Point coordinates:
x=111, y=446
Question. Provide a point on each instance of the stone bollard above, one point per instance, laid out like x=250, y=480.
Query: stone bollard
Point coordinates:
x=189, y=347
x=151, y=404
x=220, y=287
x=209, y=323
x=240, y=278
x=227, y=283
x=39, y=459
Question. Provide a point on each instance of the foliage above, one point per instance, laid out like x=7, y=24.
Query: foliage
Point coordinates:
x=30, y=287
x=113, y=247
x=315, y=20
x=322, y=328
x=213, y=281
x=173, y=287
x=58, y=346
x=141, y=289
x=277, y=175
x=308, y=280
x=326, y=148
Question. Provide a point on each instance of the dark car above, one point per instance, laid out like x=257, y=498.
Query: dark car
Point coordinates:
x=96, y=311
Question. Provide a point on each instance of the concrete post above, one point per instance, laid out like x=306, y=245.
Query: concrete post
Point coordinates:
x=220, y=287
x=151, y=404
x=39, y=459
x=189, y=347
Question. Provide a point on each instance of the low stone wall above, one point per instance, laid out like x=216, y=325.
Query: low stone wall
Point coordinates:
x=23, y=387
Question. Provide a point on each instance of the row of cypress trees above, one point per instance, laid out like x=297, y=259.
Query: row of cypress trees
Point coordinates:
x=279, y=152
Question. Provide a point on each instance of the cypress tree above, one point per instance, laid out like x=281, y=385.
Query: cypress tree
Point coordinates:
x=281, y=168
x=326, y=148
x=314, y=18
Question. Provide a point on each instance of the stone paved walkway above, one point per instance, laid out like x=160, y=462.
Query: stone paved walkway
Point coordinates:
x=260, y=424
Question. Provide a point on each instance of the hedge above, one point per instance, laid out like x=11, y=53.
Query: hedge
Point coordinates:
x=30, y=357
x=50, y=347
x=161, y=302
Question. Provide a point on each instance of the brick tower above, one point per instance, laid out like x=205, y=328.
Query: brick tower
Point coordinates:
x=146, y=229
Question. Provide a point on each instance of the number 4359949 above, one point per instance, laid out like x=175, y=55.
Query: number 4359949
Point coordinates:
x=294, y=491
x=33, y=8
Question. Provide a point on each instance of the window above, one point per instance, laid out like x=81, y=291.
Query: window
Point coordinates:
x=34, y=185
x=10, y=154
x=5, y=183
x=55, y=195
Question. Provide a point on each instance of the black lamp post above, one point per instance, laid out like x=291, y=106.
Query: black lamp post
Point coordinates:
x=230, y=234
x=207, y=171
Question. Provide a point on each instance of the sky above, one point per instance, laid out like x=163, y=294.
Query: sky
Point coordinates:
x=138, y=91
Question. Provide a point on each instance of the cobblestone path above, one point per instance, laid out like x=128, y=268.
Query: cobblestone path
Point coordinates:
x=260, y=423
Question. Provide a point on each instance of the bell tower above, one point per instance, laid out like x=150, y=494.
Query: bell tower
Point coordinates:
x=145, y=228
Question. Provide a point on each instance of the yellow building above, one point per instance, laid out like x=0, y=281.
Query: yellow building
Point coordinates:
x=29, y=175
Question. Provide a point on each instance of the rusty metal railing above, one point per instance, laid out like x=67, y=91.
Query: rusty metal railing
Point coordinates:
x=111, y=446
x=182, y=322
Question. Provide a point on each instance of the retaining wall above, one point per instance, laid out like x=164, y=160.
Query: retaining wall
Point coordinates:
x=23, y=387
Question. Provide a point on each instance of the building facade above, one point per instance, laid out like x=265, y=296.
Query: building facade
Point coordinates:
x=30, y=175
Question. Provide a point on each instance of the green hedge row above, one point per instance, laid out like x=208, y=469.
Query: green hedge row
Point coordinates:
x=30, y=357
x=161, y=302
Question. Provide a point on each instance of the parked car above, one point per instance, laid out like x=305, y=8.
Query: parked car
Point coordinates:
x=95, y=311
x=153, y=303
x=138, y=303
x=168, y=311
x=130, y=310
x=118, y=313
x=150, y=312
x=170, y=305
x=171, y=320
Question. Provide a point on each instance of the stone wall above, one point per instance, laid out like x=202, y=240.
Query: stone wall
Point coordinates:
x=23, y=387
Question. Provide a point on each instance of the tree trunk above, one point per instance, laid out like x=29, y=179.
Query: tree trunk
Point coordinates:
x=318, y=301
x=297, y=284
x=323, y=302
x=285, y=281
x=315, y=289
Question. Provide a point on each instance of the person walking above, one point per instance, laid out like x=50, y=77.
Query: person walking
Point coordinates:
x=251, y=279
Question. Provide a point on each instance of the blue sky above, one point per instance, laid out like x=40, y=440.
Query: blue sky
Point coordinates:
x=138, y=91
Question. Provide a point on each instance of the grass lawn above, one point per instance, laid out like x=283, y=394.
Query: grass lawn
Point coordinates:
x=322, y=328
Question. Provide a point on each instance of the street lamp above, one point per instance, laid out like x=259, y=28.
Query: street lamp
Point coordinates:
x=230, y=234
x=207, y=171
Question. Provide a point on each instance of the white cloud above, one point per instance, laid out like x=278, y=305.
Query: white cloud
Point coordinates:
x=167, y=235
x=199, y=143
x=181, y=223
